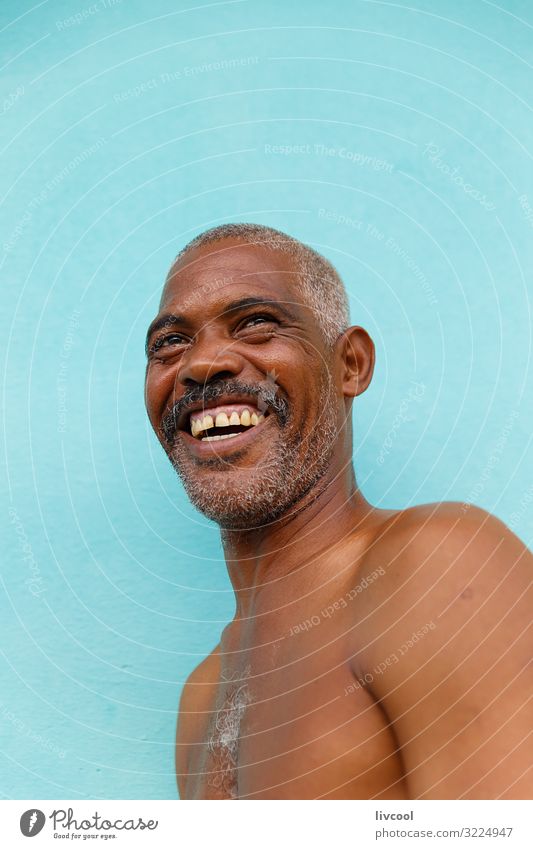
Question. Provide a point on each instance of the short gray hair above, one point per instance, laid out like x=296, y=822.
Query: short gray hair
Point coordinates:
x=320, y=284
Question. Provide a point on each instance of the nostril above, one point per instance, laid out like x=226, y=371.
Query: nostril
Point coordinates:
x=221, y=375
x=191, y=383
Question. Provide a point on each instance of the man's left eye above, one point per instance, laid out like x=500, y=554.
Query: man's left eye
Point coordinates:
x=257, y=319
x=166, y=341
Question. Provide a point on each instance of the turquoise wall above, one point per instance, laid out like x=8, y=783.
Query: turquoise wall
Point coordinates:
x=397, y=140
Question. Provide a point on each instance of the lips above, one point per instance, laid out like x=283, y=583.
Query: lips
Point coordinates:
x=225, y=421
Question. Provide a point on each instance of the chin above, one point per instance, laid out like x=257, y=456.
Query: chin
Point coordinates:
x=236, y=507
x=255, y=500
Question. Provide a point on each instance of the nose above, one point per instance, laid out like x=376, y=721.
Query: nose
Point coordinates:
x=209, y=358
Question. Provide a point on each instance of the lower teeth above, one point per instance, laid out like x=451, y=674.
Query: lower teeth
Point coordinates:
x=219, y=436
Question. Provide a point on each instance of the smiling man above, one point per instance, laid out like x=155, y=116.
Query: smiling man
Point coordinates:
x=374, y=654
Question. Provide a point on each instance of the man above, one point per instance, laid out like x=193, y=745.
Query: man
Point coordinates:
x=374, y=654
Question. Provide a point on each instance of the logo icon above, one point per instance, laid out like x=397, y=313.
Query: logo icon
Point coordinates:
x=32, y=822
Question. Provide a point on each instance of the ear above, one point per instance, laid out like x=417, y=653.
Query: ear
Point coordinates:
x=358, y=356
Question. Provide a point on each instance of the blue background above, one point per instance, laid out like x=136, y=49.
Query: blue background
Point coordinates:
x=128, y=128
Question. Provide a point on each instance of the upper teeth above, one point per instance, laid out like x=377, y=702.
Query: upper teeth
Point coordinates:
x=199, y=424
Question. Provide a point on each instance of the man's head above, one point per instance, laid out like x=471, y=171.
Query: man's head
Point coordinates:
x=251, y=319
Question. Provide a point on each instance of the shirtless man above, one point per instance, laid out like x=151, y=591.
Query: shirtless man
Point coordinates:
x=374, y=654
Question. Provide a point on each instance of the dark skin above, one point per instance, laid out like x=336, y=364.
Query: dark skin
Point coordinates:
x=374, y=654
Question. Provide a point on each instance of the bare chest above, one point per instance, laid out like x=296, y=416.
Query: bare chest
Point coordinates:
x=294, y=730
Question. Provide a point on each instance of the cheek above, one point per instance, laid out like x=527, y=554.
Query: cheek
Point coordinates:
x=306, y=399
x=294, y=359
x=158, y=387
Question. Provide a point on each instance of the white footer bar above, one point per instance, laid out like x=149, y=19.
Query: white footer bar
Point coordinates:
x=267, y=825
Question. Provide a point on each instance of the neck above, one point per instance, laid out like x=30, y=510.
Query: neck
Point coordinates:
x=265, y=564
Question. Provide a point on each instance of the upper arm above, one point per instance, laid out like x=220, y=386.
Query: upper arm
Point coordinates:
x=454, y=631
x=193, y=710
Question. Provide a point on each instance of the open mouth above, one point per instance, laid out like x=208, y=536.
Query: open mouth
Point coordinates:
x=225, y=421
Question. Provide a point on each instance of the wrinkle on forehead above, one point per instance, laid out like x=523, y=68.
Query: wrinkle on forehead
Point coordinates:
x=236, y=263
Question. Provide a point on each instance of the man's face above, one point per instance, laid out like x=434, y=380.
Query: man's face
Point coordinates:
x=232, y=334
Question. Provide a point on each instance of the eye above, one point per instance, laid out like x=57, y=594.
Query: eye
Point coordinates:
x=168, y=341
x=258, y=320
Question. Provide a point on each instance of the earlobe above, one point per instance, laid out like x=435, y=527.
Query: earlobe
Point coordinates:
x=358, y=356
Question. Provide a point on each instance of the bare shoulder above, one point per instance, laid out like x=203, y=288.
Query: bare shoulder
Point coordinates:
x=447, y=563
x=194, y=708
x=433, y=537
x=448, y=631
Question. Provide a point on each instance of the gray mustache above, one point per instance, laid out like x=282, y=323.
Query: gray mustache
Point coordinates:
x=265, y=395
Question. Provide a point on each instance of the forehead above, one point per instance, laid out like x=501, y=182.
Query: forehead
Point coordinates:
x=210, y=271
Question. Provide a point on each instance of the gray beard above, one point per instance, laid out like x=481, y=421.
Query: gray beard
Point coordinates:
x=289, y=471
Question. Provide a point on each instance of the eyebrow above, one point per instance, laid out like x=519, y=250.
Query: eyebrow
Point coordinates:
x=173, y=319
